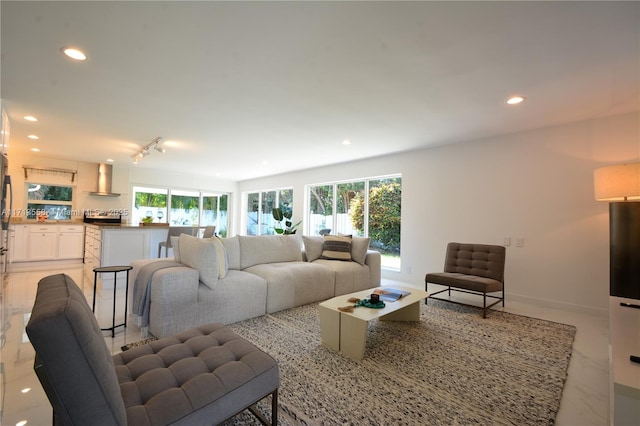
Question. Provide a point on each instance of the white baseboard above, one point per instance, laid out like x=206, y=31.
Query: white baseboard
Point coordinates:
x=42, y=265
x=547, y=303
x=510, y=297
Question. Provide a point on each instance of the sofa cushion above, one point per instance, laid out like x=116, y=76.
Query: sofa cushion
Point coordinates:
x=314, y=244
x=175, y=246
x=359, y=247
x=291, y=284
x=237, y=296
x=313, y=247
x=221, y=257
x=349, y=276
x=200, y=254
x=257, y=250
x=336, y=247
x=232, y=247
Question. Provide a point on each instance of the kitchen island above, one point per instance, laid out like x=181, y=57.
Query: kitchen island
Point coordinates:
x=114, y=245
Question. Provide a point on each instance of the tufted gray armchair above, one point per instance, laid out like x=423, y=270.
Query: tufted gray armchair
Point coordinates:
x=198, y=377
x=471, y=268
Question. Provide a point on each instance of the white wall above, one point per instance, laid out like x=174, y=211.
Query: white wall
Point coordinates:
x=536, y=185
x=123, y=179
x=84, y=182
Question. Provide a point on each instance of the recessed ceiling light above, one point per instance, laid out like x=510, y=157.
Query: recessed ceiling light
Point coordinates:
x=30, y=118
x=74, y=53
x=514, y=100
x=35, y=149
x=346, y=142
x=21, y=423
x=25, y=390
x=34, y=137
x=109, y=160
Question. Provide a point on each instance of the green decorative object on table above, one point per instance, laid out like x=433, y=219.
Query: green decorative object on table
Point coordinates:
x=361, y=302
x=367, y=304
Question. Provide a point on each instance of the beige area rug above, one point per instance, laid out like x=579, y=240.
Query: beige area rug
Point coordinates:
x=452, y=368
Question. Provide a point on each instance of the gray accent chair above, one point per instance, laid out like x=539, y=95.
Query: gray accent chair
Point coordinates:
x=209, y=232
x=202, y=376
x=175, y=231
x=471, y=268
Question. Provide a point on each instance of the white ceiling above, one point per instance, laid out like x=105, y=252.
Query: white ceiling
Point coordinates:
x=231, y=85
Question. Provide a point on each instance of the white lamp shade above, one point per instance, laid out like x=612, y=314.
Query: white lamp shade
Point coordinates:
x=617, y=183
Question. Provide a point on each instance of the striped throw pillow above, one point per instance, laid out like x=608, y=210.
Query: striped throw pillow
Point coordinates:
x=336, y=248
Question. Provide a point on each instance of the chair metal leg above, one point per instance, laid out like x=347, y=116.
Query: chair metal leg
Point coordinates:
x=274, y=408
x=274, y=411
x=484, y=305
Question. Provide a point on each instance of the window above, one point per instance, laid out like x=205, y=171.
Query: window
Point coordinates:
x=214, y=212
x=149, y=204
x=260, y=206
x=368, y=207
x=188, y=207
x=185, y=208
x=56, y=201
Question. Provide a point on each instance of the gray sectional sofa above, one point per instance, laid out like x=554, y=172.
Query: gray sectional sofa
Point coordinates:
x=233, y=279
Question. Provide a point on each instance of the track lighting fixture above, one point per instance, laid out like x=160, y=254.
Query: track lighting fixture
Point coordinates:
x=145, y=151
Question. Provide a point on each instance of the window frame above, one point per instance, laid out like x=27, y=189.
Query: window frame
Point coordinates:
x=264, y=220
x=32, y=212
x=309, y=223
x=221, y=220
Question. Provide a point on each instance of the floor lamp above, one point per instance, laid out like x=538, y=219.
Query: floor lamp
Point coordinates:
x=620, y=186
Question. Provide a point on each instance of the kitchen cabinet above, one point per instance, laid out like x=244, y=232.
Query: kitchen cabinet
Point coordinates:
x=18, y=243
x=70, y=241
x=32, y=242
x=92, y=250
x=43, y=241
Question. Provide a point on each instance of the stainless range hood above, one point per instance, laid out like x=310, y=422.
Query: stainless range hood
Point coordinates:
x=104, y=181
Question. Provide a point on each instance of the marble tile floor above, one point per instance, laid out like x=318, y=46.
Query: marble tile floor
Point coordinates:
x=585, y=399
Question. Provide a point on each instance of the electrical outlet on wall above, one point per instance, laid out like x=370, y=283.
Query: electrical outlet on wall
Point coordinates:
x=520, y=242
x=409, y=270
x=506, y=241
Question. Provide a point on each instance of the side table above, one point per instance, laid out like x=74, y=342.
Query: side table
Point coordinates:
x=114, y=270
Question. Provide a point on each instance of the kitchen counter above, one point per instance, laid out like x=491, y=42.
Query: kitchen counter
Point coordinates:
x=119, y=244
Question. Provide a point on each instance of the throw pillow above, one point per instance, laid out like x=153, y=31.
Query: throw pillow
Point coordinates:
x=336, y=248
x=221, y=257
x=359, y=247
x=176, y=248
x=313, y=247
x=200, y=254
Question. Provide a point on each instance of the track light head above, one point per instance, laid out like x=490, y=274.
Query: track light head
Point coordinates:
x=145, y=151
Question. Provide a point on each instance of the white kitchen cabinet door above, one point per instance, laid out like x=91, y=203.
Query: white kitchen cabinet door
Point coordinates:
x=18, y=243
x=43, y=244
x=70, y=245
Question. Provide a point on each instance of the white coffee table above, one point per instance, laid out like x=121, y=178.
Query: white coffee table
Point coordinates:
x=347, y=332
